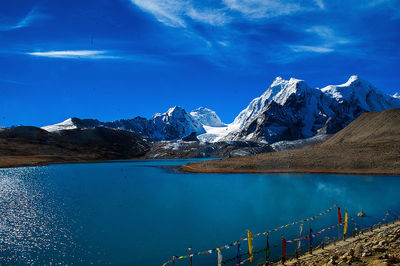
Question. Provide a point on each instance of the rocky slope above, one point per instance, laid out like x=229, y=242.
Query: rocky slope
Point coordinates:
x=195, y=149
x=35, y=146
x=378, y=247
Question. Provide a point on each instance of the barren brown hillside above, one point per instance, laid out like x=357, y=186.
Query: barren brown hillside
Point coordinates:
x=369, y=145
x=373, y=127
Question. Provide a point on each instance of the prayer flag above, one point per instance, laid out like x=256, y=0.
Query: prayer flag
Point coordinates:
x=339, y=215
x=219, y=257
x=250, y=242
x=345, y=223
x=300, y=231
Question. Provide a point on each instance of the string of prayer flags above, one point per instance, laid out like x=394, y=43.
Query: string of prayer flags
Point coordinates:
x=227, y=246
x=313, y=235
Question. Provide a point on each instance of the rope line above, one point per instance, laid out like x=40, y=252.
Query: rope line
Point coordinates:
x=227, y=246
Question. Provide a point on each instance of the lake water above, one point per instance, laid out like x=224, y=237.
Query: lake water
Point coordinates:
x=138, y=214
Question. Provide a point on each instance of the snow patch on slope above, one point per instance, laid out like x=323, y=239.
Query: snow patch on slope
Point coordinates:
x=65, y=125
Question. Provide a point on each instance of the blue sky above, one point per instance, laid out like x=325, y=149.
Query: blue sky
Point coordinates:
x=111, y=59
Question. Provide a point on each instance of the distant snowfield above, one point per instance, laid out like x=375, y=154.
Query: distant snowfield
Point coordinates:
x=214, y=134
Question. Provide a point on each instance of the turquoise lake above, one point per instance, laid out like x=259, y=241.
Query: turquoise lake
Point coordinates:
x=137, y=213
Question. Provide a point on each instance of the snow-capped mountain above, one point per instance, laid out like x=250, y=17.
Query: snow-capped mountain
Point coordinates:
x=288, y=110
x=73, y=123
x=360, y=93
x=291, y=110
x=173, y=124
x=207, y=117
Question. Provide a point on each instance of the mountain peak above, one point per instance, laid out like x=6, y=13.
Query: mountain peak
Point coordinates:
x=396, y=95
x=356, y=81
x=279, y=81
x=64, y=125
x=295, y=80
x=175, y=110
x=207, y=117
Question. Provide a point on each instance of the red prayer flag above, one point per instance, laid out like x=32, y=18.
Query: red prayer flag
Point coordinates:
x=339, y=215
x=283, y=249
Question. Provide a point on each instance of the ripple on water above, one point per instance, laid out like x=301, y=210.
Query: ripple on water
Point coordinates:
x=32, y=229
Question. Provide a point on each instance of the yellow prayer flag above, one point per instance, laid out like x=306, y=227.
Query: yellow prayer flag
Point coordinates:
x=345, y=223
x=250, y=241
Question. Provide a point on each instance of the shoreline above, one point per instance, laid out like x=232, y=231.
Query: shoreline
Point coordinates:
x=28, y=161
x=191, y=169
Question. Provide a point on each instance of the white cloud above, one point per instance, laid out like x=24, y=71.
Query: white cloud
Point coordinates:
x=320, y=4
x=309, y=48
x=256, y=9
x=327, y=41
x=32, y=16
x=327, y=34
x=168, y=12
x=212, y=17
x=174, y=13
x=75, y=54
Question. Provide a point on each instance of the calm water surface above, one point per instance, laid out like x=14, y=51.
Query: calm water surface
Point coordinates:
x=132, y=213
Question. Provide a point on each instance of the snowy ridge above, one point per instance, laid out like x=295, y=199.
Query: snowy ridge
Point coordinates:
x=288, y=110
x=65, y=125
x=360, y=92
x=291, y=110
x=171, y=125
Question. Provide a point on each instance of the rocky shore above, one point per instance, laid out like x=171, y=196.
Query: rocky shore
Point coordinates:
x=381, y=246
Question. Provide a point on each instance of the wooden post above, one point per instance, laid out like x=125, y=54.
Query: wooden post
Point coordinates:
x=310, y=241
x=283, y=250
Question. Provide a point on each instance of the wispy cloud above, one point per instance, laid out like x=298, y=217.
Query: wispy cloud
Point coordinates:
x=267, y=29
x=33, y=16
x=320, y=4
x=308, y=48
x=98, y=55
x=256, y=9
x=327, y=34
x=175, y=13
x=323, y=39
x=211, y=17
x=76, y=54
x=168, y=12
